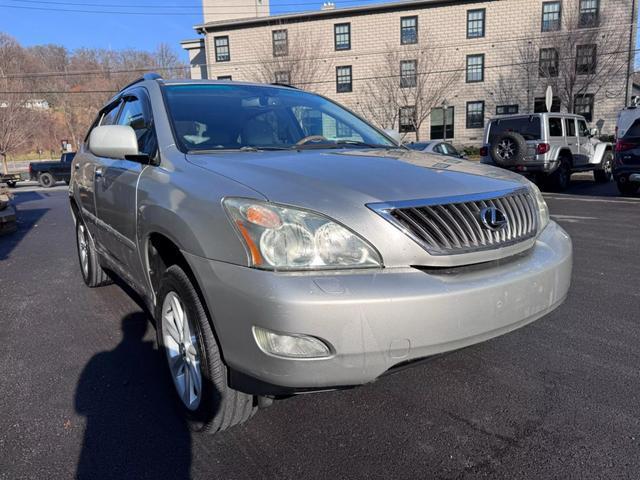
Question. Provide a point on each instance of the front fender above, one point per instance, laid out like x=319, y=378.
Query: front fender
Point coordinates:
x=599, y=152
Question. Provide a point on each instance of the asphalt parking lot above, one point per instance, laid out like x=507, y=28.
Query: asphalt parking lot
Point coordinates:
x=84, y=393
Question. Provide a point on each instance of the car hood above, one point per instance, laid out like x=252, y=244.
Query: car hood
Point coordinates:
x=311, y=178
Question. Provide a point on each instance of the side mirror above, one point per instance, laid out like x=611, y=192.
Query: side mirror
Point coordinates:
x=113, y=141
x=394, y=135
x=593, y=132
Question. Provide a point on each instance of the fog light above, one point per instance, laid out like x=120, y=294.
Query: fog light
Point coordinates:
x=292, y=346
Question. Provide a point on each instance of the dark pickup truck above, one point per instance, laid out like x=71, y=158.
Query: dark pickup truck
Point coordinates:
x=48, y=173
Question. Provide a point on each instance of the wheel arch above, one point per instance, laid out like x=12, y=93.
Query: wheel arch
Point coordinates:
x=565, y=154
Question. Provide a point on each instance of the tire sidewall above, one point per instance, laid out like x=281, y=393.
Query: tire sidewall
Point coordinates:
x=174, y=281
x=520, y=146
x=46, y=180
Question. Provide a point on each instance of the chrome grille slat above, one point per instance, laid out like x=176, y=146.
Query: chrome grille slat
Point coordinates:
x=456, y=227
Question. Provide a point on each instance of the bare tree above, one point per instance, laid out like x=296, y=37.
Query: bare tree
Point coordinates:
x=291, y=60
x=413, y=78
x=16, y=129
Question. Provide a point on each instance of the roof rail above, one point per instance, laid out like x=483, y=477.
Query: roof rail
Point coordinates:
x=146, y=76
x=278, y=84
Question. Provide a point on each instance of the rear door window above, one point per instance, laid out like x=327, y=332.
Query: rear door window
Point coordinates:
x=528, y=127
x=570, y=125
x=555, y=127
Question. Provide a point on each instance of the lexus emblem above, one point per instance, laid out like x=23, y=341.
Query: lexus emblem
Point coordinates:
x=492, y=218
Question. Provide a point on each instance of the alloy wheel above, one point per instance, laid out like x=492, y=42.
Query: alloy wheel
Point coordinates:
x=505, y=150
x=83, y=250
x=181, y=347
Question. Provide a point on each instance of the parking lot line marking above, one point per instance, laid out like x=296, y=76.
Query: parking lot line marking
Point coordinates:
x=629, y=201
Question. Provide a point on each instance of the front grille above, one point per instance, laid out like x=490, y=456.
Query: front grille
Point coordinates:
x=457, y=227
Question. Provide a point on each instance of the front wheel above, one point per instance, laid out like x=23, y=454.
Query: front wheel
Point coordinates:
x=605, y=173
x=194, y=360
x=627, y=188
x=46, y=180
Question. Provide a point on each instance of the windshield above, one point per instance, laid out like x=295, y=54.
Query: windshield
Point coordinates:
x=210, y=117
x=528, y=127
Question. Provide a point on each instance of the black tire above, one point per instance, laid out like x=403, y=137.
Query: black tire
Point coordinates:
x=627, y=188
x=219, y=407
x=559, y=180
x=605, y=173
x=11, y=184
x=92, y=273
x=510, y=148
x=46, y=180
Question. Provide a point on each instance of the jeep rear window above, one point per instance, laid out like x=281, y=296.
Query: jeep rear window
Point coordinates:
x=528, y=127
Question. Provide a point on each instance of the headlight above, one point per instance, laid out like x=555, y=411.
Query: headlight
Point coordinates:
x=543, y=209
x=285, y=238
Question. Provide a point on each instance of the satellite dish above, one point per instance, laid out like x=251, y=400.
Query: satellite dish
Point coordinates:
x=549, y=98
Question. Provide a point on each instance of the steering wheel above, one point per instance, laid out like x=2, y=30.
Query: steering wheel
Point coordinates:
x=312, y=138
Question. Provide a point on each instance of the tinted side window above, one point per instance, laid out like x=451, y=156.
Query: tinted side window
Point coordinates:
x=133, y=115
x=439, y=149
x=110, y=114
x=451, y=149
x=570, y=125
x=582, y=128
x=555, y=127
x=634, y=129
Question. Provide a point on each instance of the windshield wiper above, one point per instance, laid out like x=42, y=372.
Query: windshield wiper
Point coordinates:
x=241, y=149
x=358, y=143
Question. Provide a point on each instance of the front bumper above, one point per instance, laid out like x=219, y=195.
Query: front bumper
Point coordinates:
x=376, y=319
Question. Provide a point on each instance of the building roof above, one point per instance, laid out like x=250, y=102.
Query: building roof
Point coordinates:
x=332, y=13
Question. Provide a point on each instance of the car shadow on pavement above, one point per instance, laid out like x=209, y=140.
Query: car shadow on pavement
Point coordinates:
x=133, y=428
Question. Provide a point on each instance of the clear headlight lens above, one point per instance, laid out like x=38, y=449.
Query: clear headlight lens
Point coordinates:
x=543, y=209
x=285, y=238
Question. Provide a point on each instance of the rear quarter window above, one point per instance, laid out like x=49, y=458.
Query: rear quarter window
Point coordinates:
x=528, y=127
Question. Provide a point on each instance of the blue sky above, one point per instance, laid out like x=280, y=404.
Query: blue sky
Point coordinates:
x=31, y=26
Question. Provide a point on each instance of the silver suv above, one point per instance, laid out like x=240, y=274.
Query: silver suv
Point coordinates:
x=551, y=145
x=284, y=245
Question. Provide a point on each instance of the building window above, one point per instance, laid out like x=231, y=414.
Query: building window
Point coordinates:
x=283, y=77
x=342, y=35
x=224, y=77
x=540, y=105
x=407, y=119
x=222, y=49
x=586, y=59
x=475, y=114
x=507, y=109
x=475, y=68
x=438, y=128
x=343, y=79
x=475, y=23
x=343, y=131
x=551, y=16
x=408, y=30
x=548, y=62
x=408, y=73
x=589, y=11
x=583, y=105
x=280, y=43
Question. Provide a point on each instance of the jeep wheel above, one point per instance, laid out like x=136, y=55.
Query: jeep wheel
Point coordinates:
x=627, y=188
x=508, y=149
x=92, y=273
x=46, y=180
x=194, y=360
x=605, y=173
x=558, y=181
x=11, y=184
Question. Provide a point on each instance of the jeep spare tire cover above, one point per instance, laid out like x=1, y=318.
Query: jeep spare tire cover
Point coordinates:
x=508, y=148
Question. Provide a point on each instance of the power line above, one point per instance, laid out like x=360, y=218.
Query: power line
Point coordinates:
x=198, y=7
x=479, y=44
x=375, y=77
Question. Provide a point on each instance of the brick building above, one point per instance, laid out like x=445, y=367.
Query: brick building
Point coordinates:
x=401, y=64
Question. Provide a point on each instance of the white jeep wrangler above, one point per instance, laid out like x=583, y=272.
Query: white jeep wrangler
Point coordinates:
x=551, y=145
